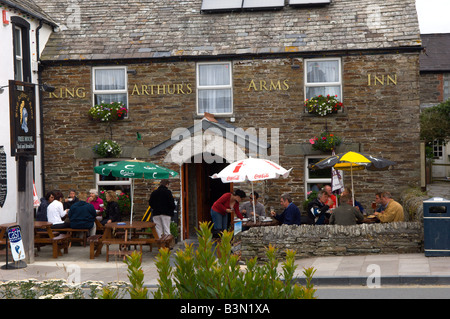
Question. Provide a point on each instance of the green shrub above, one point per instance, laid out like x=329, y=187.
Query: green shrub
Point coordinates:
x=212, y=272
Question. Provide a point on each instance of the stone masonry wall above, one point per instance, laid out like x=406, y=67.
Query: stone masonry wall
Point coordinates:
x=334, y=240
x=380, y=118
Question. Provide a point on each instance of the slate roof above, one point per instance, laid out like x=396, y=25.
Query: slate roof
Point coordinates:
x=177, y=28
x=436, y=56
x=31, y=8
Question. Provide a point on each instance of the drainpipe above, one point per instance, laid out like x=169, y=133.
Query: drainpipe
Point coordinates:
x=41, y=110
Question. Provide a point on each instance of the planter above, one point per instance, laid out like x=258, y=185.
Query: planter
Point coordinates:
x=326, y=142
x=107, y=148
x=108, y=112
x=323, y=105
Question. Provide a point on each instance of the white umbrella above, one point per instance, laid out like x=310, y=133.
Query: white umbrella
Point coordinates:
x=251, y=169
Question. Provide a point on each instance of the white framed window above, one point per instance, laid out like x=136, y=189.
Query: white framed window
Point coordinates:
x=315, y=178
x=438, y=149
x=117, y=184
x=446, y=86
x=110, y=84
x=323, y=77
x=214, y=88
x=18, y=54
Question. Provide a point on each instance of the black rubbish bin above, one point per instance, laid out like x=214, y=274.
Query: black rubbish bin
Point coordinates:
x=436, y=227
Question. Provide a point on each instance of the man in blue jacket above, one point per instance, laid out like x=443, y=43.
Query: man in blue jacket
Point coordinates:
x=291, y=214
x=82, y=214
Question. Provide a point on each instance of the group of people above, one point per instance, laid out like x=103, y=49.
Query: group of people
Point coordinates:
x=230, y=202
x=78, y=211
x=325, y=209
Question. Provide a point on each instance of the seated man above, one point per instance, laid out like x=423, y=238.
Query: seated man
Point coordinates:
x=346, y=214
x=393, y=211
x=332, y=200
x=82, y=215
x=291, y=214
x=247, y=207
x=317, y=209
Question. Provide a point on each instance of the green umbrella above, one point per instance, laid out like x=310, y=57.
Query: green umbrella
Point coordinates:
x=135, y=169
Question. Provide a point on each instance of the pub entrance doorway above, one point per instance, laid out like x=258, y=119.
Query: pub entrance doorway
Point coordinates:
x=199, y=192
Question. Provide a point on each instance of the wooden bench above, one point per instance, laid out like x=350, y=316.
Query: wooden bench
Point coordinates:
x=95, y=241
x=123, y=246
x=60, y=242
x=95, y=245
x=72, y=231
x=167, y=241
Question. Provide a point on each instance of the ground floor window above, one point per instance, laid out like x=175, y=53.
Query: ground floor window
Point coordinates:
x=122, y=186
x=315, y=179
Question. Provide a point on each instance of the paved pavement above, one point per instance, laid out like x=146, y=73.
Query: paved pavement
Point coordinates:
x=337, y=270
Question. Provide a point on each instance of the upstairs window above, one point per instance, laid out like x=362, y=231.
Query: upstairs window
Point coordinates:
x=110, y=85
x=214, y=88
x=323, y=77
x=446, y=86
x=21, y=41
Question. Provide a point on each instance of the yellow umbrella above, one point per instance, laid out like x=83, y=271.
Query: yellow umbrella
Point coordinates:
x=353, y=161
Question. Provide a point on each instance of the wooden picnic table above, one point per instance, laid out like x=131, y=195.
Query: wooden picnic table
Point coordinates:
x=250, y=223
x=129, y=237
x=3, y=235
x=3, y=228
x=45, y=235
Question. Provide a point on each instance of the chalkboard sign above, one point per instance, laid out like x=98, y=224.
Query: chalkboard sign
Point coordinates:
x=3, y=179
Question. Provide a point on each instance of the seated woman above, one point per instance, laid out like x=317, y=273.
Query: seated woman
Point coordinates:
x=56, y=213
x=112, y=209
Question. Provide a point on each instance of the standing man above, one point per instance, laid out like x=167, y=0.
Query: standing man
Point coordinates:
x=393, y=211
x=162, y=204
x=291, y=214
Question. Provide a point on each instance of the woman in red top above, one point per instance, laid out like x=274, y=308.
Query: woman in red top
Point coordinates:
x=221, y=208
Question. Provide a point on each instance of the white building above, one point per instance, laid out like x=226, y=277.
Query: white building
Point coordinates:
x=24, y=31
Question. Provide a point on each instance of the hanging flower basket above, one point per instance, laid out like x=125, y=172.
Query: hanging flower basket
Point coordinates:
x=326, y=142
x=323, y=105
x=107, y=148
x=108, y=112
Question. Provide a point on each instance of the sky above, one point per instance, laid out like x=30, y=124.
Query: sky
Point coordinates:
x=433, y=16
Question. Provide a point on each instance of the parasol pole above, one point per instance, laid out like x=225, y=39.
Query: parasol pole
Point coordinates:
x=254, y=210
x=353, y=191
x=132, y=201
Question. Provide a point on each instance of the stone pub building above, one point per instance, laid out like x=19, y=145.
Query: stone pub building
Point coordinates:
x=206, y=82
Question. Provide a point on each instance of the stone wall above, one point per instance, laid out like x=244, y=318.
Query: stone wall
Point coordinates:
x=431, y=88
x=334, y=240
x=379, y=118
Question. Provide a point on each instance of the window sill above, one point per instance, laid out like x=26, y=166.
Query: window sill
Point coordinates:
x=339, y=114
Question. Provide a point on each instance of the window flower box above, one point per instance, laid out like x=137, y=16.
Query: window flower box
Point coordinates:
x=108, y=112
x=323, y=105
